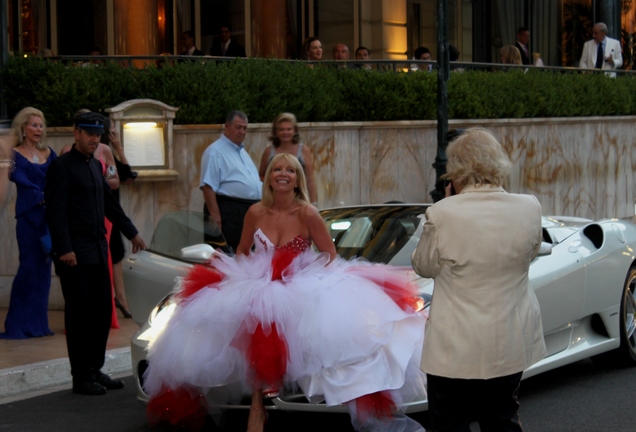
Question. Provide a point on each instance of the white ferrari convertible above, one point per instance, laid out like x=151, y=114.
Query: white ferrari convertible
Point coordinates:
x=584, y=278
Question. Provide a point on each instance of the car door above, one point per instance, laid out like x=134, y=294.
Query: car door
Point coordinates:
x=558, y=280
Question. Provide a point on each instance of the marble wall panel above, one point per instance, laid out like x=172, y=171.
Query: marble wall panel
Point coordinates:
x=9, y=246
x=399, y=164
x=5, y=290
x=579, y=167
x=345, y=168
x=575, y=167
x=323, y=148
x=366, y=174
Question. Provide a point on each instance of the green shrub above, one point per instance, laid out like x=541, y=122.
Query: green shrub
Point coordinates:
x=204, y=91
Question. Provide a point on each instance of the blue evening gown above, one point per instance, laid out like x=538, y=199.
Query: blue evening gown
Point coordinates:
x=28, y=308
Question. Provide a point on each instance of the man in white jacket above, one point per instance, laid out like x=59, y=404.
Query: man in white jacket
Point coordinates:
x=610, y=50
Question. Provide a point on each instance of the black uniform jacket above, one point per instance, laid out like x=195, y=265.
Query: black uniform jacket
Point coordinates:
x=77, y=199
x=233, y=50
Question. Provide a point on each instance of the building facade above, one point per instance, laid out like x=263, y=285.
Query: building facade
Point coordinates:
x=391, y=29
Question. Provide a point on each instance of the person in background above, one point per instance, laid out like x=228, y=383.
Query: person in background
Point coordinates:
x=312, y=49
x=523, y=45
x=28, y=305
x=107, y=161
x=45, y=53
x=116, y=245
x=363, y=53
x=536, y=59
x=484, y=326
x=453, y=56
x=229, y=179
x=510, y=55
x=78, y=201
x=340, y=52
x=601, y=52
x=423, y=53
x=285, y=139
x=187, y=41
x=453, y=53
x=94, y=52
x=226, y=46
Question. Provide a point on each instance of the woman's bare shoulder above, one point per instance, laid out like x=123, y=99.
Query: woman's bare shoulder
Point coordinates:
x=257, y=209
x=309, y=212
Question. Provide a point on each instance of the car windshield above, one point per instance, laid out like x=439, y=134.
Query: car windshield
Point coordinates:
x=380, y=234
x=179, y=229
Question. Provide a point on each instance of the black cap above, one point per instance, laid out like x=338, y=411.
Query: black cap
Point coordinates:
x=91, y=122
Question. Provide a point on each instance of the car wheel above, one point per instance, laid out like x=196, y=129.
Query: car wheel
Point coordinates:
x=625, y=355
x=628, y=320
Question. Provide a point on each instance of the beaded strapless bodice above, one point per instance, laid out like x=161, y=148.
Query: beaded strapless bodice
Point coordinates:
x=298, y=244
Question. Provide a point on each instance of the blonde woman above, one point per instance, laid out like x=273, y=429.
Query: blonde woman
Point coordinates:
x=28, y=308
x=283, y=314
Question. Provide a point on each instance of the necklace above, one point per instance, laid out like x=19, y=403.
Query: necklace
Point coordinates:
x=35, y=159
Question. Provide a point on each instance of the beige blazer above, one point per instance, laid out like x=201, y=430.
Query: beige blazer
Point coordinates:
x=484, y=320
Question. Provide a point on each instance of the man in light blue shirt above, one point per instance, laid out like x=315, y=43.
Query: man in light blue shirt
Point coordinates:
x=229, y=179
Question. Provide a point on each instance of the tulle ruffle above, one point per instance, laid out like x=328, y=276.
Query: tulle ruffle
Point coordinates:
x=340, y=331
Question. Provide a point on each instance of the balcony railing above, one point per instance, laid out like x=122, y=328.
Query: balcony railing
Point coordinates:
x=375, y=65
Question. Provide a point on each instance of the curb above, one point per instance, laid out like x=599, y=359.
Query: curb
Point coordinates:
x=52, y=373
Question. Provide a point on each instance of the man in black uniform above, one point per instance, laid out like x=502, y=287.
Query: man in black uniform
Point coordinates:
x=78, y=198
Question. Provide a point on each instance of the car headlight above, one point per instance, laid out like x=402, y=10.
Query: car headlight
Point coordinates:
x=422, y=302
x=158, y=318
x=163, y=310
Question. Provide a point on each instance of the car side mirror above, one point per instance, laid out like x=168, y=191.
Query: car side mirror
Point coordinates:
x=545, y=249
x=199, y=252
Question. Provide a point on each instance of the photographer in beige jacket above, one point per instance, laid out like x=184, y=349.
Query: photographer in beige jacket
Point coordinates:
x=484, y=327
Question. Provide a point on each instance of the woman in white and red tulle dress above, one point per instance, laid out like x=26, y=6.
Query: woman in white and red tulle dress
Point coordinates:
x=345, y=332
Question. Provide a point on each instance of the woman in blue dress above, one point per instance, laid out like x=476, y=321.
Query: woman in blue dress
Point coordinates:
x=27, y=316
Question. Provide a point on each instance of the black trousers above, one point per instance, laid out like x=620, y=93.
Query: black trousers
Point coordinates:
x=87, y=315
x=233, y=211
x=454, y=403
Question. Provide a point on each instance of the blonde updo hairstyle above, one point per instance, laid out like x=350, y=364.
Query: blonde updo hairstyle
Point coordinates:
x=510, y=55
x=20, y=121
x=300, y=192
x=476, y=158
x=281, y=118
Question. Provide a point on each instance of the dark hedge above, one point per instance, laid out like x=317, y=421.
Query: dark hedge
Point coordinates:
x=205, y=91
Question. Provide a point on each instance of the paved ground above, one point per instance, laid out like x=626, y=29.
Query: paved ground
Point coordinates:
x=581, y=397
x=40, y=363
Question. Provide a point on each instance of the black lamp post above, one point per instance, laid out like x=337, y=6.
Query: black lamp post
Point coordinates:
x=443, y=72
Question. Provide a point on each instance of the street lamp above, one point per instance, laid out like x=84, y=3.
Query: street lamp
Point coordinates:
x=443, y=71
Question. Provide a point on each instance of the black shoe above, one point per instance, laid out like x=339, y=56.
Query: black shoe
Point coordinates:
x=109, y=383
x=119, y=306
x=91, y=388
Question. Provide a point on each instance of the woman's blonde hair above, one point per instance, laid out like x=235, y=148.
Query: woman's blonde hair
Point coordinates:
x=281, y=118
x=20, y=121
x=477, y=158
x=300, y=192
x=510, y=55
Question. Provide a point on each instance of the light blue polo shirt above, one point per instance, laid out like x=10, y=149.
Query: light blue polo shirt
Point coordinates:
x=229, y=170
